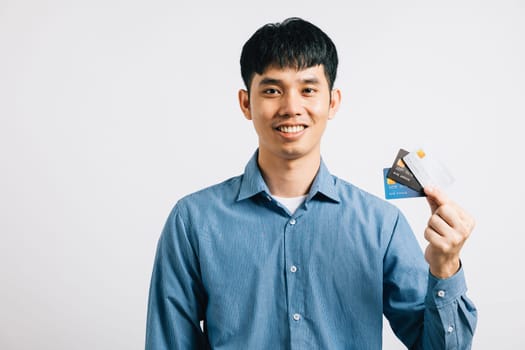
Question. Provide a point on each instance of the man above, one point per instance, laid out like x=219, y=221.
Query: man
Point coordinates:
x=288, y=256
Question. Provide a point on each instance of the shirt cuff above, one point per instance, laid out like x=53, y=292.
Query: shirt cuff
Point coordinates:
x=442, y=292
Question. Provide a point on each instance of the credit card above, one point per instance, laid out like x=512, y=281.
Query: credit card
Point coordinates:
x=401, y=174
x=427, y=169
x=395, y=190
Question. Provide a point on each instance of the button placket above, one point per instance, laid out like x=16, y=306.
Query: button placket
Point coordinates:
x=295, y=283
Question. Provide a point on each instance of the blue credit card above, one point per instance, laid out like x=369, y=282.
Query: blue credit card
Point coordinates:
x=395, y=190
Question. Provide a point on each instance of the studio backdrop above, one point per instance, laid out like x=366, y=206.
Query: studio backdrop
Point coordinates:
x=111, y=111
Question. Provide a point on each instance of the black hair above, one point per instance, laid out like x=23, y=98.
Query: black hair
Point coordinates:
x=293, y=43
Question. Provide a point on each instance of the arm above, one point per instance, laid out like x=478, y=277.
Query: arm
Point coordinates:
x=447, y=230
x=450, y=317
x=425, y=312
x=176, y=298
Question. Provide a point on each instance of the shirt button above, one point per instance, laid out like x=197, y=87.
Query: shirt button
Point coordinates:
x=441, y=293
x=296, y=317
x=293, y=268
x=450, y=329
x=292, y=222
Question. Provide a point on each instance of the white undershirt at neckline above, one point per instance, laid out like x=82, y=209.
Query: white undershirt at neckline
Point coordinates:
x=291, y=203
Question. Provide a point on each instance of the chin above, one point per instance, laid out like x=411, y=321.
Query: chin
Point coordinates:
x=293, y=154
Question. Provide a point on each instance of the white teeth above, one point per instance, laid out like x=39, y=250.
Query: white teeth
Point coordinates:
x=291, y=129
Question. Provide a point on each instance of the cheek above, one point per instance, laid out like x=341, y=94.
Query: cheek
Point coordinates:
x=260, y=122
x=320, y=109
x=264, y=111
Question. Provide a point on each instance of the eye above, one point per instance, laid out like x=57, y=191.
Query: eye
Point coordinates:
x=271, y=91
x=309, y=91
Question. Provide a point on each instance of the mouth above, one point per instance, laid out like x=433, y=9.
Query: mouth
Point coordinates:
x=290, y=129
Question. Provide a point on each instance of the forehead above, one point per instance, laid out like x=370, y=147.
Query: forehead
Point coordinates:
x=290, y=75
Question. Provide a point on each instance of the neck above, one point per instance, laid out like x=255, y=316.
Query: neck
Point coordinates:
x=289, y=177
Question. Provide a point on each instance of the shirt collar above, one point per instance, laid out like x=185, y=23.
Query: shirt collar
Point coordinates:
x=252, y=182
x=324, y=184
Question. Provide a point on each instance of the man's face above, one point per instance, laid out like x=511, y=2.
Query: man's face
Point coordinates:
x=289, y=109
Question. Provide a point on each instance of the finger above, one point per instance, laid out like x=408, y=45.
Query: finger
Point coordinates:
x=435, y=197
x=449, y=243
x=440, y=226
x=467, y=220
x=450, y=215
x=434, y=238
x=456, y=217
x=443, y=235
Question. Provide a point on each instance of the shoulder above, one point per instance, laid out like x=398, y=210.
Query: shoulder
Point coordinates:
x=223, y=193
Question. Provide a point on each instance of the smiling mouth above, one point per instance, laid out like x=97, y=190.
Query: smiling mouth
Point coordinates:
x=291, y=129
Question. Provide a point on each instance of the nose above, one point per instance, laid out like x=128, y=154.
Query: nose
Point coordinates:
x=291, y=105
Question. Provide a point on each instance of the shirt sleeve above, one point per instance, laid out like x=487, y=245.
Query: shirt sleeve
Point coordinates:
x=424, y=312
x=176, y=296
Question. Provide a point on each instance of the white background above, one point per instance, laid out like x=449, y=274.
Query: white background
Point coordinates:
x=112, y=110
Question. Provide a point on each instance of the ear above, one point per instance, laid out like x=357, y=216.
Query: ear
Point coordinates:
x=244, y=103
x=334, y=103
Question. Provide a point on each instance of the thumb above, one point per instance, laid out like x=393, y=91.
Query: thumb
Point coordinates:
x=435, y=197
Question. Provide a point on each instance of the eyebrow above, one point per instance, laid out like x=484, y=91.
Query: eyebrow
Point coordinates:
x=270, y=81
x=273, y=81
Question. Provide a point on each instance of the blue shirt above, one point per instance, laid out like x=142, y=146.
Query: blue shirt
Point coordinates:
x=322, y=278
